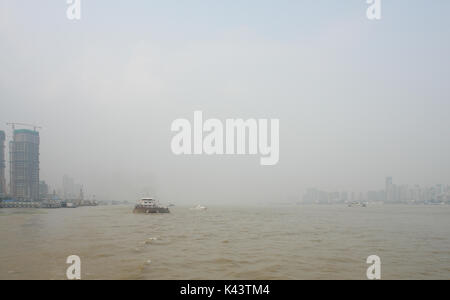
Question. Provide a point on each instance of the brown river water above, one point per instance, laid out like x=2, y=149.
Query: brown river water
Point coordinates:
x=269, y=242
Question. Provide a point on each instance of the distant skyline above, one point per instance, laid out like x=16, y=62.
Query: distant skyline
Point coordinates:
x=357, y=100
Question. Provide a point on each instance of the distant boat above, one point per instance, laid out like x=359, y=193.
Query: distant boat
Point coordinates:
x=199, y=207
x=71, y=205
x=357, y=204
x=150, y=206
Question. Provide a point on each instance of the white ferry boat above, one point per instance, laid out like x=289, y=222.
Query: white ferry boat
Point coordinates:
x=150, y=206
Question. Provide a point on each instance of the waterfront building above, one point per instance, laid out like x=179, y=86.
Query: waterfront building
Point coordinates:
x=24, y=165
x=2, y=165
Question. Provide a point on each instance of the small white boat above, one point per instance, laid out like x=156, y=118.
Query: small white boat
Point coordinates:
x=199, y=208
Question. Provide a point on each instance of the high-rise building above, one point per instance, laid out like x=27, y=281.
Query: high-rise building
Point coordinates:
x=68, y=188
x=2, y=165
x=43, y=190
x=24, y=165
x=389, y=193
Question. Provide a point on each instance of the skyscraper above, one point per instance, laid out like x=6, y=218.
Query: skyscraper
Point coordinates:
x=24, y=165
x=389, y=190
x=2, y=165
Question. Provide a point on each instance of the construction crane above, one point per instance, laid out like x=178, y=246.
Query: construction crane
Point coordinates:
x=13, y=125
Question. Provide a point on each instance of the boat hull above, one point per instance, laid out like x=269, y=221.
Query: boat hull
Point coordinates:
x=151, y=210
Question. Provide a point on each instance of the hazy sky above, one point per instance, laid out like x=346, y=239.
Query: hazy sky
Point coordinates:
x=357, y=100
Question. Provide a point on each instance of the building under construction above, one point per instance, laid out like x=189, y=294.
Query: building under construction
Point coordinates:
x=2, y=165
x=24, y=165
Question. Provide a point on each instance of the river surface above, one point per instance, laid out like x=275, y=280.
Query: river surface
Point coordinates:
x=269, y=242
